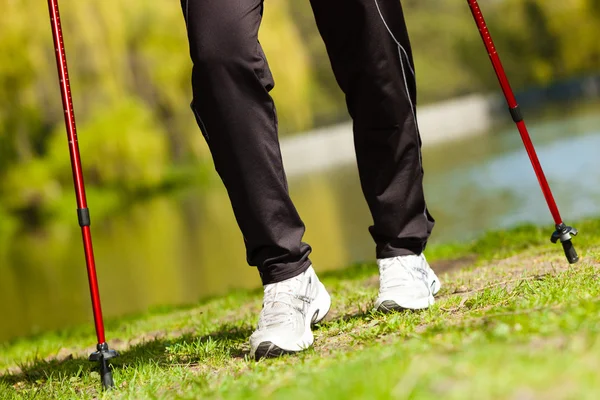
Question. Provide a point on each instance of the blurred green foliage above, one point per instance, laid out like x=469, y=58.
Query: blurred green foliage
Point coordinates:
x=130, y=76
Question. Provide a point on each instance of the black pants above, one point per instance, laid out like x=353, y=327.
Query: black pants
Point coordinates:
x=370, y=53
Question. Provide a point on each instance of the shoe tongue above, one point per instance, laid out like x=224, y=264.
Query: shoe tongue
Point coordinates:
x=282, y=295
x=282, y=300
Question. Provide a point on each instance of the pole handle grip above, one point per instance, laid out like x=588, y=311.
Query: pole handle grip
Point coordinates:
x=570, y=252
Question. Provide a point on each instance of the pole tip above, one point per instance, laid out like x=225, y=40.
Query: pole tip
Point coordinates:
x=570, y=252
x=106, y=375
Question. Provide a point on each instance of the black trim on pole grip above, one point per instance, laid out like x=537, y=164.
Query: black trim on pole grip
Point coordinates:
x=515, y=113
x=83, y=215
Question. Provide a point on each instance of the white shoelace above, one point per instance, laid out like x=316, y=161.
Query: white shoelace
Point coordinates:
x=394, y=273
x=280, y=303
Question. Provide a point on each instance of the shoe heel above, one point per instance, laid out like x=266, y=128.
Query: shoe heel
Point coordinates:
x=322, y=305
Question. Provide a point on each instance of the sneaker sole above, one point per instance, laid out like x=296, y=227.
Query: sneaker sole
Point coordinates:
x=270, y=350
x=420, y=304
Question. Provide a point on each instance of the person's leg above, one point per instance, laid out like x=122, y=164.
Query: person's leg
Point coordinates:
x=370, y=53
x=231, y=83
x=371, y=57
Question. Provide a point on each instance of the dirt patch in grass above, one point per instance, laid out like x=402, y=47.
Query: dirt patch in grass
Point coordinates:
x=506, y=274
x=442, y=267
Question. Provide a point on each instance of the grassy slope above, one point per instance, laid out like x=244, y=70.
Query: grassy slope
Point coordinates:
x=513, y=320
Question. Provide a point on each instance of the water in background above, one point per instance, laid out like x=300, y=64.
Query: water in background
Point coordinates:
x=178, y=248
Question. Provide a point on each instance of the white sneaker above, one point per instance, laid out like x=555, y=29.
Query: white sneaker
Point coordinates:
x=406, y=282
x=289, y=309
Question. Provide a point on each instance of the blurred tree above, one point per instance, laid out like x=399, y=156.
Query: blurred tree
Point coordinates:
x=539, y=41
x=130, y=76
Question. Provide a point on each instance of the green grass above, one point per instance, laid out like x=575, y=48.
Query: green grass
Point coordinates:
x=513, y=321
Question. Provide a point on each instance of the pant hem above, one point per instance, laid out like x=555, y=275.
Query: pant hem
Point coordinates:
x=397, y=253
x=287, y=273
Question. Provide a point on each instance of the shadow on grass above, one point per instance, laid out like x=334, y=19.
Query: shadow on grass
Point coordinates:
x=227, y=342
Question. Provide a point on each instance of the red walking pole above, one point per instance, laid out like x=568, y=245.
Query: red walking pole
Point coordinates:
x=103, y=353
x=563, y=232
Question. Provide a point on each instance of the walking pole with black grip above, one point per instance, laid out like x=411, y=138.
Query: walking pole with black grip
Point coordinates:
x=563, y=232
x=103, y=353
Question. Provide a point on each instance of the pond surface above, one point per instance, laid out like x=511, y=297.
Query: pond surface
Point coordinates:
x=178, y=248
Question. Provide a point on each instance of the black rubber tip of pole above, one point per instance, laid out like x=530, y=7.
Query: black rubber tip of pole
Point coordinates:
x=570, y=252
x=106, y=375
